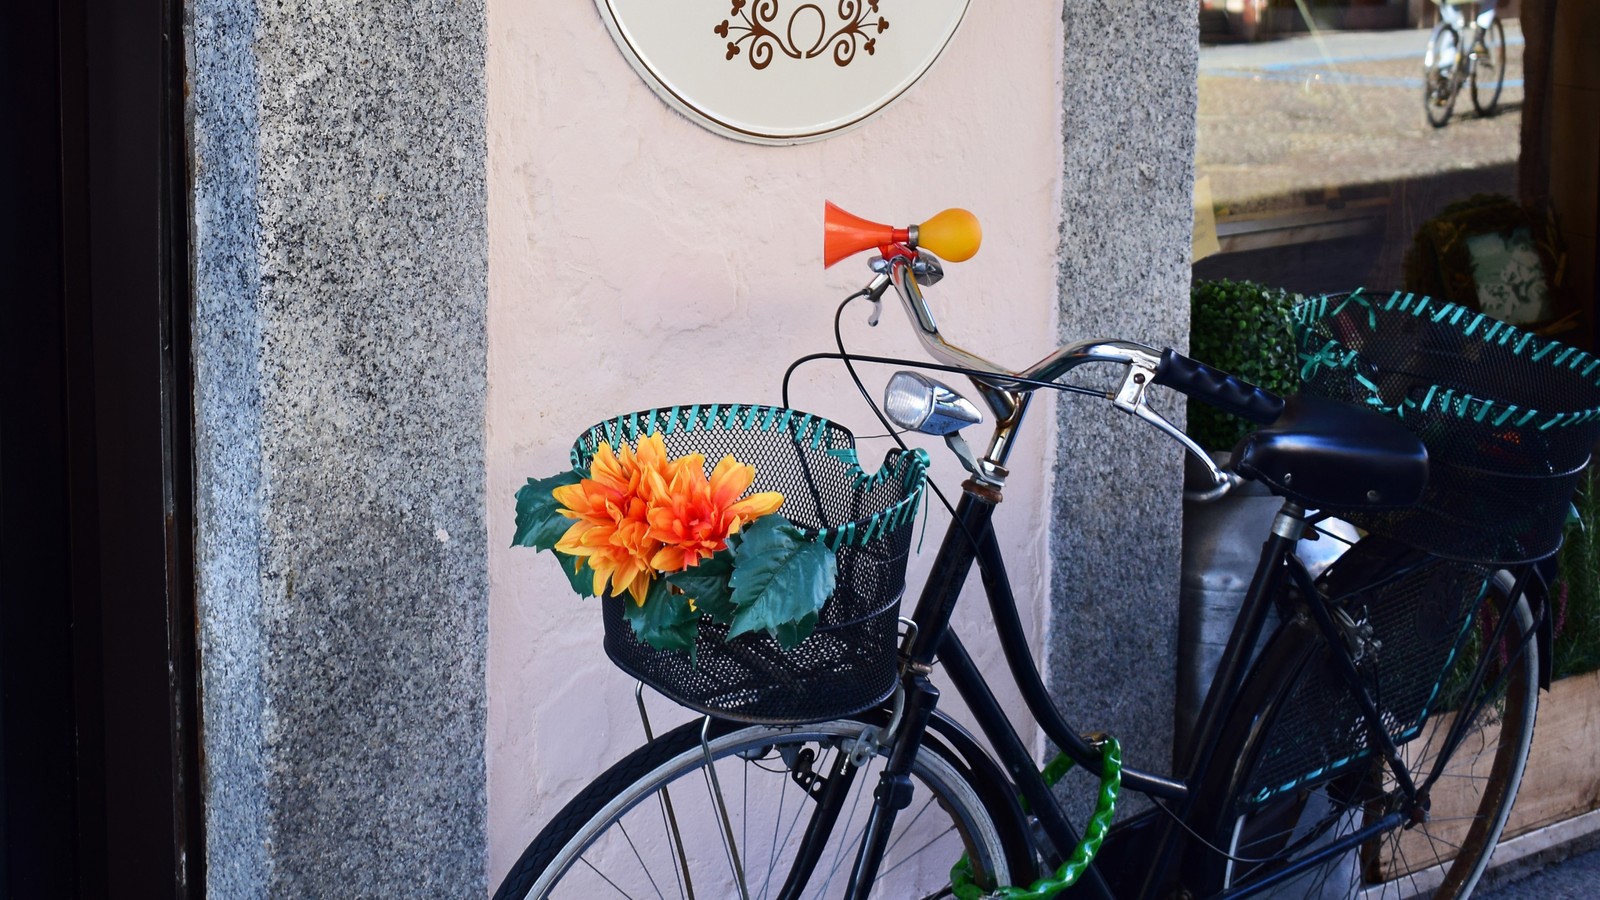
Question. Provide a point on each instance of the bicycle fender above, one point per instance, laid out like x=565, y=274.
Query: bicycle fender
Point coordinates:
x=998, y=793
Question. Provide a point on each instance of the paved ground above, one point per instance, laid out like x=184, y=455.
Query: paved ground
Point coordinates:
x=1338, y=109
x=1577, y=878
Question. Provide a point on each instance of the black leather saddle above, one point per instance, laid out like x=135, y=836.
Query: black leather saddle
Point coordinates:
x=1325, y=454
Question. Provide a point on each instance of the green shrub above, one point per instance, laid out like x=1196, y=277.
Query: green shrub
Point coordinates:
x=1243, y=328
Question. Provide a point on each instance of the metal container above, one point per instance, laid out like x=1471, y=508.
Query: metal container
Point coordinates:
x=1222, y=542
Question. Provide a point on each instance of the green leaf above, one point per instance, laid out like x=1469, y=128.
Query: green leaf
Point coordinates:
x=708, y=584
x=665, y=621
x=582, y=579
x=781, y=580
x=790, y=636
x=538, y=524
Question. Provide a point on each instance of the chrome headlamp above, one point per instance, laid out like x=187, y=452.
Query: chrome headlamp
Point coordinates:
x=917, y=403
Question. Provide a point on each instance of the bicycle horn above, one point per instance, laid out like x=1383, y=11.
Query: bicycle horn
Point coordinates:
x=952, y=235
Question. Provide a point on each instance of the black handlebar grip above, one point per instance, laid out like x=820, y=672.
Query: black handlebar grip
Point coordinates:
x=1217, y=388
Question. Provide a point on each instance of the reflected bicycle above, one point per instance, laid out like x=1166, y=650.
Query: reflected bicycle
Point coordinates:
x=1481, y=65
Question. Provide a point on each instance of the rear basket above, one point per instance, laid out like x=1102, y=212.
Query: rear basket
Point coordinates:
x=849, y=663
x=1508, y=418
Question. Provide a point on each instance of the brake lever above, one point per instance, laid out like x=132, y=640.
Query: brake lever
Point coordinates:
x=875, y=289
x=1131, y=398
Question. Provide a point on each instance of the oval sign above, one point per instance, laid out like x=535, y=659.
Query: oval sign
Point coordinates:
x=781, y=71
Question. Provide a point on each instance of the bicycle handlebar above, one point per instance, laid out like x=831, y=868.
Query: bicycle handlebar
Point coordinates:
x=1006, y=393
x=1215, y=387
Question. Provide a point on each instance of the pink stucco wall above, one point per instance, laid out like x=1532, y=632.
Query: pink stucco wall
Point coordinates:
x=637, y=260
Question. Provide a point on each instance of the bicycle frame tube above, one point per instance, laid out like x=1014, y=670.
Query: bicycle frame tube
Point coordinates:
x=1265, y=585
x=968, y=539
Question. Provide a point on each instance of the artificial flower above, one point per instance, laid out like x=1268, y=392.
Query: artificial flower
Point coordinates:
x=610, y=532
x=691, y=517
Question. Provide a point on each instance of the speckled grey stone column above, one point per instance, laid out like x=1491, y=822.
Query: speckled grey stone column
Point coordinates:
x=1130, y=76
x=340, y=269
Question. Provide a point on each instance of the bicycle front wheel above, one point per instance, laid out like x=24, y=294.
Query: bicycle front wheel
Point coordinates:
x=1439, y=82
x=779, y=812
x=1285, y=810
x=1489, y=69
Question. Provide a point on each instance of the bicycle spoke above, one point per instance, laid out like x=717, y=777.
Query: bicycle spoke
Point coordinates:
x=889, y=850
x=614, y=886
x=839, y=851
x=772, y=853
x=731, y=853
x=680, y=864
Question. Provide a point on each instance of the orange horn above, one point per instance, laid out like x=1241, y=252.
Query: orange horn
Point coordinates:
x=844, y=234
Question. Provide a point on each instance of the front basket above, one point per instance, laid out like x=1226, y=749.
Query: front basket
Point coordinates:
x=849, y=662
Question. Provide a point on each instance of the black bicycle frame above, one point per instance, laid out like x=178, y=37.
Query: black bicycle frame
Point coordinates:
x=970, y=539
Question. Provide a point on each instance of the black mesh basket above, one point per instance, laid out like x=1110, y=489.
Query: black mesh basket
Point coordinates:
x=1421, y=615
x=849, y=662
x=1508, y=418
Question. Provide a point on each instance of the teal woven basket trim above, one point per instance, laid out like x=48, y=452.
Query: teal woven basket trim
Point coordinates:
x=847, y=455
x=1327, y=356
x=803, y=427
x=908, y=469
x=1483, y=410
x=1334, y=355
x=876, y=526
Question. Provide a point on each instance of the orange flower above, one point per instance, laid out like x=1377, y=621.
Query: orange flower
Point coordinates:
x=639, y=512
x=610, y=531
x=691, y=517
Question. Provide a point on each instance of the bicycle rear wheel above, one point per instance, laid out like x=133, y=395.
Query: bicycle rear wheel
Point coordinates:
x=652, y=826
x=1272, y=821
x=1489, y=69
x=1439, y=83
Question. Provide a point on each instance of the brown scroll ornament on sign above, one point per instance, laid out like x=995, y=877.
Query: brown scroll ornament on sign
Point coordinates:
x=808, y=32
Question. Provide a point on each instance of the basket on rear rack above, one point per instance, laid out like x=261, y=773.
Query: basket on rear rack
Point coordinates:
x=1508, y=418
x=849, y=663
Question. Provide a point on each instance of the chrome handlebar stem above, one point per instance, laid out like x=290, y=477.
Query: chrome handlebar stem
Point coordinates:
x=1008, y=398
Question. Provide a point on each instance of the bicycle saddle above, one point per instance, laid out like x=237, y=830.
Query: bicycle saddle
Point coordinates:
x=1325, y=454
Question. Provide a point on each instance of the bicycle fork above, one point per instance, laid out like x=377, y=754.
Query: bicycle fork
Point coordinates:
x=894, y=785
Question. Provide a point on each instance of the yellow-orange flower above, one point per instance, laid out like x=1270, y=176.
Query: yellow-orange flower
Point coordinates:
x=639, y=512
x=610, y=531
x=691, y=517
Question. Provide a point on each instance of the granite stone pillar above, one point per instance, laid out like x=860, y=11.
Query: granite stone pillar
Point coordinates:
x=340, y=271
x=1129, y=77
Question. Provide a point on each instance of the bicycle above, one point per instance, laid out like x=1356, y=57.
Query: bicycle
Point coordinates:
x=1445, y=68
x=1384, y=723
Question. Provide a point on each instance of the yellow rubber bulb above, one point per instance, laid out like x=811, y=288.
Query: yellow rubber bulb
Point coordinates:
x=952, y=235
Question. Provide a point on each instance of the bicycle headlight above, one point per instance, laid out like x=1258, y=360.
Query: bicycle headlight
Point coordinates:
x=918, y=403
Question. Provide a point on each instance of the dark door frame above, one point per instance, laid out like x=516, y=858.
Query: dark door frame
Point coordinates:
x=99, y=776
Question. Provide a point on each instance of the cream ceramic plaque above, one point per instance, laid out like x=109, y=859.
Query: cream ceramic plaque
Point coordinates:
x=781, y=71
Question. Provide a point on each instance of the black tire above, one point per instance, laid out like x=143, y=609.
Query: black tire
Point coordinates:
x=1439, y=81
x=1264, y=829
x=613, y=840
x=1489, y=68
